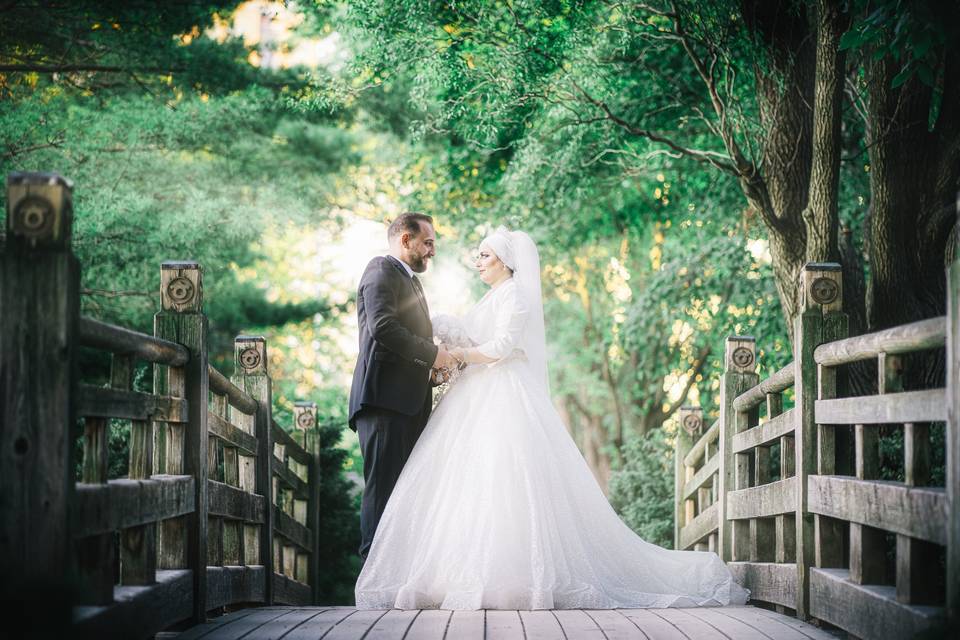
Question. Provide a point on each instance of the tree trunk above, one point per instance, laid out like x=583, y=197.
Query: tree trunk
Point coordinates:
x=914, y=177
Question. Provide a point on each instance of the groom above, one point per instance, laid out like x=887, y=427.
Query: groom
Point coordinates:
x=390, y=397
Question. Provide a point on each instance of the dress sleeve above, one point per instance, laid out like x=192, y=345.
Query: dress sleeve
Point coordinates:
x=511, y=316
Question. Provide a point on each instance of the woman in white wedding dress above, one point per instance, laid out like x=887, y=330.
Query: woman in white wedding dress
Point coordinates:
x=496, y=507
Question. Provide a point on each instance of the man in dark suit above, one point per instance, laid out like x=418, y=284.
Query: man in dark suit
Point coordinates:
x=390, y=398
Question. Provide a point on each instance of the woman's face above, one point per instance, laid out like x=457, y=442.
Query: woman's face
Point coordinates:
x=490, y=268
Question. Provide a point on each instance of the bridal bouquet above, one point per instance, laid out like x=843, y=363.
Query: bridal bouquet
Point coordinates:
x=448, y=331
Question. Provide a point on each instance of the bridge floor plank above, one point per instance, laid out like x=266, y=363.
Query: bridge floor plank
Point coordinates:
x=347, y=623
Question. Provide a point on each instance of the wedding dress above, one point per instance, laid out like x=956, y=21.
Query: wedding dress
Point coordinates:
x=497, y=509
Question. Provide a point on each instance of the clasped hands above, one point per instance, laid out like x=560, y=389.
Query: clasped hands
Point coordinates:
x=446, y=362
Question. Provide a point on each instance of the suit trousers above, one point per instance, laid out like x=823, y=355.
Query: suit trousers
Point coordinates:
x=386, y=440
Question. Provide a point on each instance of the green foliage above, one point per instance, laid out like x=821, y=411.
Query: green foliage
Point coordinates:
x=339, y=532
x=642, y=491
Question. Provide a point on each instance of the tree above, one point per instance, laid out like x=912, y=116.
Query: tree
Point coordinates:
x=761, y=92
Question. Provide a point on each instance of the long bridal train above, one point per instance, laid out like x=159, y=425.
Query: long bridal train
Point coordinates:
x=497, y=509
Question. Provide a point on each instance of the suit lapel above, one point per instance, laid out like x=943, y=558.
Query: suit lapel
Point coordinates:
x=417, y=294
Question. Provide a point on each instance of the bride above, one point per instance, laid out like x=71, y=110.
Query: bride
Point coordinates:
x=496, y=508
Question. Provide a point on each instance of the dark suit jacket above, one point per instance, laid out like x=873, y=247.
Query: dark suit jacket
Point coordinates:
x=396, y=342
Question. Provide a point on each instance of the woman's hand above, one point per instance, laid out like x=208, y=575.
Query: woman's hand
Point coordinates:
x=459, y=354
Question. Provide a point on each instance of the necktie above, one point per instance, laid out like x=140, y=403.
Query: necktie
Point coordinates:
x=419, y=290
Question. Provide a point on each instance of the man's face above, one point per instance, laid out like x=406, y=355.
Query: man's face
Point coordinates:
x=420, y=248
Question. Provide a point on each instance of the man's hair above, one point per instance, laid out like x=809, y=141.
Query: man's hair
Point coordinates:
x=409, y=222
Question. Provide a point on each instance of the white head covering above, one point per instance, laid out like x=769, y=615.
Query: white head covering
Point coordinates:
x=519, y=253
x=502, y=244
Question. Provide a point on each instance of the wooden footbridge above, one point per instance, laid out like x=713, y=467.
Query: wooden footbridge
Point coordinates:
x=213, y=533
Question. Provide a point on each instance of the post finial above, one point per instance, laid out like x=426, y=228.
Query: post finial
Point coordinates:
x=741, y=354
x=691, y=420
x=40, y=208
x=181, y=286
x=250, y=355
x=821, y=286
x=305, y=415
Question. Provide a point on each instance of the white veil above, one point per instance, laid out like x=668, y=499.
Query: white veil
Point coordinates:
x=520, y=254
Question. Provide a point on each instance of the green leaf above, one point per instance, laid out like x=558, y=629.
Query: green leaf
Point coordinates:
x=905, y=74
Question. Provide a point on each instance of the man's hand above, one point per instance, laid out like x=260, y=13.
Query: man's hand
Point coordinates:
x=444, y=359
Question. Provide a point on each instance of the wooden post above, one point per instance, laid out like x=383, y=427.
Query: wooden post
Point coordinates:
x=822, y=320
x=305, y=414
x=738, y=376
x=252, y=376
x=39, y=298
x=681, y=448
x=138, y=545
x=690, y=420
x=183, y=541
x=953, y=444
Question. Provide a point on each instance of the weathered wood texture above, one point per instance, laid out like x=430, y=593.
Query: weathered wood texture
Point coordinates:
x=811, y=518
x=118, y=340
x=347, y=623
x=39, y=299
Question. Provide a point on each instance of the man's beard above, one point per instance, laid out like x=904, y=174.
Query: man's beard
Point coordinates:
x=418, y=264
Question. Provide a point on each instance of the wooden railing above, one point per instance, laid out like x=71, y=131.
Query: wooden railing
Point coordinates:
x=792, y=499
x=220, y=504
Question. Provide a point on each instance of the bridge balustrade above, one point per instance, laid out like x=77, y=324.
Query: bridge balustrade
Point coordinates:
x=794, y=501
x=220, y=503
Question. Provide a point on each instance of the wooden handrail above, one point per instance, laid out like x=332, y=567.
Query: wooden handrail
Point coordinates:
x=108, y=337
x=193, y=522
x=237, y=397
x=776, y=383
x=916, y=336
x=699, y=447
x=795, y=487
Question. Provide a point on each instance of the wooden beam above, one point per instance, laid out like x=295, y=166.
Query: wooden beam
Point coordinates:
x=233, y=503
x=918, y=512
x=130, y=405
x=909, y=406
x=766, y=433
x=868, y=611
x=768, y=581
x=776, y=383
x=140, y=346
x=232, y=436
x=763, y=501
x=916, y=336
x=699, y=527
x=120, y=504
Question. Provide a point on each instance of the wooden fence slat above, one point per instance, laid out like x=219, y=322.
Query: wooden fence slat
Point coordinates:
x=898, y=408
x=700, y=527
x=236, y=504
x=766, y=433
x=124, y=503
x=762, y=501
x=129, y=405
x=919, y=512
x=233, y=436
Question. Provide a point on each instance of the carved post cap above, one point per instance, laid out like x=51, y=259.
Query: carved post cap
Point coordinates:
x=691, y=420
x=40, y=208
x=181, y=286
x=741, y=354
x=821, y=286
x=250, y=354
x=305, y=415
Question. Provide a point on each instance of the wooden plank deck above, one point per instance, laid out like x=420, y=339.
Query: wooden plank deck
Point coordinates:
x=348, y=623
